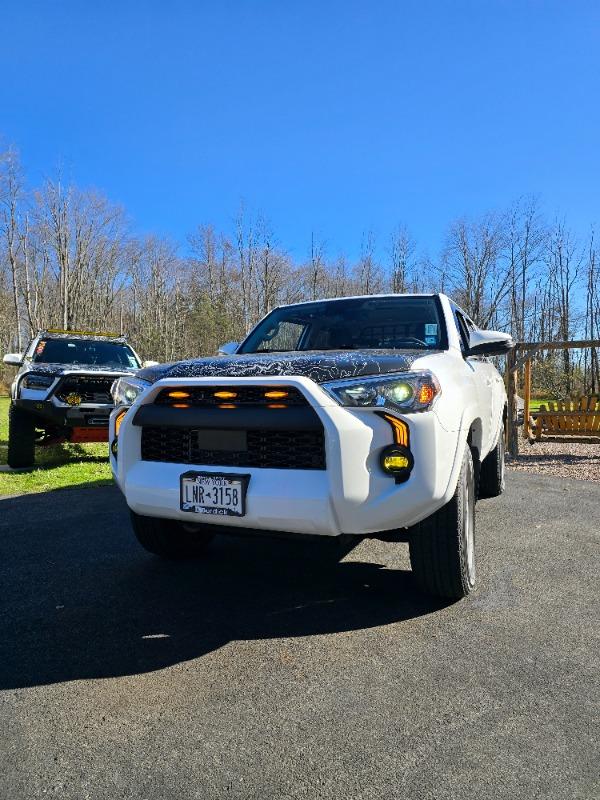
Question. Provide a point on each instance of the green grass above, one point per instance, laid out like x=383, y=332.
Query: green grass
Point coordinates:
x=56, y=467
x=534, y=405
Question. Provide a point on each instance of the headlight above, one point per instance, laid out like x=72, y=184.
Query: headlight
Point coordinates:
x=126, y=390
x=34, y=380
x=407, y=391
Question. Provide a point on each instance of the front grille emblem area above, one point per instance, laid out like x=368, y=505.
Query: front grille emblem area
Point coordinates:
x=221, y=440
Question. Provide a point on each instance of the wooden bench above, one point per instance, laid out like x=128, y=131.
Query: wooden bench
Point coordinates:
x=566, y=421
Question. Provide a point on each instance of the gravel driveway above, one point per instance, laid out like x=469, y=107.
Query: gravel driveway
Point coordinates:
x=273, y=670
x=580, y=461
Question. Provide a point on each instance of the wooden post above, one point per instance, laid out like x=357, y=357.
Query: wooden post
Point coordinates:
x=512, y=437
x=527, y=399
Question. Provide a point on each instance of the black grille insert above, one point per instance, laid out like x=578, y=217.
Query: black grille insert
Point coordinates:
x=274, y=449
x=90, y=389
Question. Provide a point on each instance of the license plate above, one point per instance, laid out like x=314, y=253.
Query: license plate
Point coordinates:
x=214, y=493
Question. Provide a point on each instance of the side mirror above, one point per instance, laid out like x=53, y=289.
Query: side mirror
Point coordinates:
x=13, y=359
x=150, y=363
x=489, y=343
x=228, y=349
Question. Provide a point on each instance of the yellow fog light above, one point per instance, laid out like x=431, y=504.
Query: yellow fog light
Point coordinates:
x=397, y=461
x=393, y=462
x=73, y=399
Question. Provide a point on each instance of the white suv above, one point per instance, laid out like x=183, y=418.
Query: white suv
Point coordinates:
x=366, y=416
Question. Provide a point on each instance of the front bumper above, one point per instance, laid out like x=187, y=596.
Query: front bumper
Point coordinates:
x=84, y=416
x=352, y=496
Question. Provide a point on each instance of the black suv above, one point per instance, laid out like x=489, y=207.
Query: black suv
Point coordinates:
x=62, y=390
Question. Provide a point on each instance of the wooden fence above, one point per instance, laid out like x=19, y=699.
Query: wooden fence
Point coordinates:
x=520, y=356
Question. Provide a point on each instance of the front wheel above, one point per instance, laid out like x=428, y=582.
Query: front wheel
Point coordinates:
x=21, y=438
x=169, y=538
x=442, y=547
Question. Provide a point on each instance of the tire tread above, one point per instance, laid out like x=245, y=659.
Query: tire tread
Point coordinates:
x=437, y=557
x=21, y=438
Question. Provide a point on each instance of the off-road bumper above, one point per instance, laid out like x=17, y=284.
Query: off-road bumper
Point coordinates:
x=353, y=495
x=87, y=416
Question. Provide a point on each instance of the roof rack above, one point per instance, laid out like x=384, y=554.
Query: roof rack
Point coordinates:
x=99, y=334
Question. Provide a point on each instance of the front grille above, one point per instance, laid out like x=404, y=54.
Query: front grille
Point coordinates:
x=242, y=395
x=274, y=449
x=90, y=389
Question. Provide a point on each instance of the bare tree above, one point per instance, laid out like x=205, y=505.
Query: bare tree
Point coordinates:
x=401, y=250
x=10, y=197
x=473, y=262
x=368, y=272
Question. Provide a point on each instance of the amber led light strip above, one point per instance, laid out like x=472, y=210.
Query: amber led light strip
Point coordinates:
x=400, y=429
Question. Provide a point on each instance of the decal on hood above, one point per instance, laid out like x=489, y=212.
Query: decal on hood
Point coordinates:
x=61, y=369
x=321, y=366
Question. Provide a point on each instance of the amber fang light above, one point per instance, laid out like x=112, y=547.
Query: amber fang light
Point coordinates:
x=276, y=395
x=426, y=393
x=400, y=429
x=225, y=395
x=179, y=395
x=119, y=420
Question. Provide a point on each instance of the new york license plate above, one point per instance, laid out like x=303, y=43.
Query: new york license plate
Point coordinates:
x=214, y=493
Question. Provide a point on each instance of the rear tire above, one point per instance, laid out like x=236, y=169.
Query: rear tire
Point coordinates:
x=21, y=438
x=491, y=476
x=442, y=547
x=169, y=538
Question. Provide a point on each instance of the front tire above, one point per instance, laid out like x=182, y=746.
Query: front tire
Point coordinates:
x=491, y=476
x=21, y=438
x=442, y=547
x=169, y=538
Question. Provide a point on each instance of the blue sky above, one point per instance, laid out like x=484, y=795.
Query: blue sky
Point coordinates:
x=335, y=117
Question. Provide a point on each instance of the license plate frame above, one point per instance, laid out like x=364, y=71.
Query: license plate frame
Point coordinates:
x=230, y=479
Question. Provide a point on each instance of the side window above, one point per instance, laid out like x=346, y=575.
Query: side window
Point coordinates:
x=285, y=337
x=463, y=330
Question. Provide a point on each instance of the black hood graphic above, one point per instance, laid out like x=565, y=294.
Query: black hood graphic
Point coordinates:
x=319, y=366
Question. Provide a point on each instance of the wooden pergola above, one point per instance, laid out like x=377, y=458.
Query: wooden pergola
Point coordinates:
x=520, y=356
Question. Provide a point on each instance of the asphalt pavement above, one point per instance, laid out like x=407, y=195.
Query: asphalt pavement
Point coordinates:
x=278, y=669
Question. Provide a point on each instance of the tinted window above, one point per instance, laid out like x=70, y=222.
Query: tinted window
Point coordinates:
x=356, y=324
x=462, y=330
x=464, y=325
x=84, y=351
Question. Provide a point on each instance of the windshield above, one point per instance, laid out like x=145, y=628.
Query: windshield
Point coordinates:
x=369, y=323
x=85, y=351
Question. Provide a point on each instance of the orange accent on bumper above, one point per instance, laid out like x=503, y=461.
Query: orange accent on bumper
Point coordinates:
x=83, y=435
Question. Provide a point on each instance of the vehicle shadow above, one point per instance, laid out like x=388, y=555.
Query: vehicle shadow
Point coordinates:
x=58, y=455
x=83, y=600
